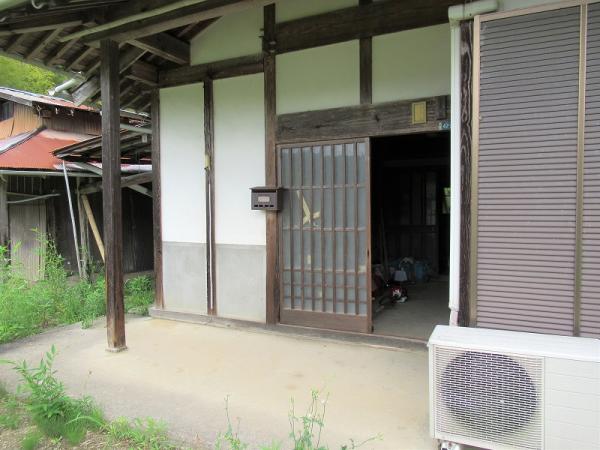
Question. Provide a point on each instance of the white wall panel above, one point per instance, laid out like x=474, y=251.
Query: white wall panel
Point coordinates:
x=239, y=159
x=318, y=78
x=295, y=9
x=411, y=64
x=182, y=164
x=231, y=36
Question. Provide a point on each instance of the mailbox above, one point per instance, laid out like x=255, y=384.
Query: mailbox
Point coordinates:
x=266, y=198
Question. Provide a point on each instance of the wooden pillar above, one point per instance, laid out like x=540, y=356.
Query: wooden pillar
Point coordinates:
x=366, y=67
x=4, y=236
x=111, y=195
x=269, y=44
x=159, y=301
x=209, y=144
x=466, y=101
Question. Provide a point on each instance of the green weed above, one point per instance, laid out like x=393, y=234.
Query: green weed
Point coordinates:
x=305, y=430
x=55, y=413
x=141, y=433
x=32, y=440
x=11, y=417
x=27, y=308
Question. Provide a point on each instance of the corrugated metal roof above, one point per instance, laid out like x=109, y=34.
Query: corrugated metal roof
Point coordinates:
x=29, y=98
x=34, y=150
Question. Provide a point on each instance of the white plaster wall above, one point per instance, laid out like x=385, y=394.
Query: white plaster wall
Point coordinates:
x=231, y=36
x=239, y=159
x=295, y=9
x=411, y=64
x=182, y=164
x=318, y=78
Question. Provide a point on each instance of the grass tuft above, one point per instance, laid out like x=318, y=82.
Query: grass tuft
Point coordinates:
x=32, y=440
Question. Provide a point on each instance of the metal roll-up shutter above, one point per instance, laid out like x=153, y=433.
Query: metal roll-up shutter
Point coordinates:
x=527, y=171
x=590, y=265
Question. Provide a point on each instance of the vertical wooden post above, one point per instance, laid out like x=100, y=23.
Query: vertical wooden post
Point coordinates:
x=111, y=194
x=209, y=143
x=366, y=67
x=159, y=301
x=3, y=212
x=269, y=45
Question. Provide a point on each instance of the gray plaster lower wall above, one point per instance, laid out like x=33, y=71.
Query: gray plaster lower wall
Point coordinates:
x=184, y=276
x=241, y=282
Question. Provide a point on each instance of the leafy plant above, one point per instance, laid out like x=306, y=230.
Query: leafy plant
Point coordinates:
x=139, y=295
x=32, y=440
x=305, y=430
x=55, y=413
x=142, y=433
x=29, y=307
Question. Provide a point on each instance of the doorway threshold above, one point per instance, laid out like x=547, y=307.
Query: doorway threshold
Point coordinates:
x=348, y=337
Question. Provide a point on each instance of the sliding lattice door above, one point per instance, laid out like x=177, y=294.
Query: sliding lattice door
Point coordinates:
x=325, y=235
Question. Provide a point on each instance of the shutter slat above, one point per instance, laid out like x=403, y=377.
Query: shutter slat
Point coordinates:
x=527, y=172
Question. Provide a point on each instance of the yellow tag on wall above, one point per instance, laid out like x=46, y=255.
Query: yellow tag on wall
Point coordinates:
x=419, y=112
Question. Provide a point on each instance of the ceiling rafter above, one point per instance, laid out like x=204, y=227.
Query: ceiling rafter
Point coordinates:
x=176, y=14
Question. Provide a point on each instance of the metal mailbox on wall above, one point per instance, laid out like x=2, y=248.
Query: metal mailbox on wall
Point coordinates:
x=266, y=198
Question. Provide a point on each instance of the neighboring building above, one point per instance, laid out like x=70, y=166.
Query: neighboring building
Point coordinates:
x=361, y=114
x=33, y=194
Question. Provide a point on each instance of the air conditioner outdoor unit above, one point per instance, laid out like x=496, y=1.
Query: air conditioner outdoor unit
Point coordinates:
x=510, y=390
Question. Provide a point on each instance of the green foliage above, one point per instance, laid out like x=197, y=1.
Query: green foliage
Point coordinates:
x=32, y=440
x=139, y=295
x=230, y=439
x=141, y=433
x=305, y=430
x=55, y=413
x=19, y=75
x=10, y=418
x=27, y=308
x=63, y=418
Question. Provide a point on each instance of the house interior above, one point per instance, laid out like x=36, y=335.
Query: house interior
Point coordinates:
x=410, y=233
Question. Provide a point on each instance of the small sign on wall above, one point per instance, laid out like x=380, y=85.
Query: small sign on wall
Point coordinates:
x=419, y=112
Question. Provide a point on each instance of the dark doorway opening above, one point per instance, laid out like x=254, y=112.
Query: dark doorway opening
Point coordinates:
x=410, y=233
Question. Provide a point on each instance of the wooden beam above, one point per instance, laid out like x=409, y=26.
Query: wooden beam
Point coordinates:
x=165, y=18
x=272, y=228
x=143, y=72
x=41, y=22
x=244, y=65
x=58, y=54
x=42, y=43
x=159, y=300
x=112, y=209
x=75, y=61
x=4, y=236
x=165, y=46
x=386, y=16
x=92, y=221
x=355, y=121
x=366, y=66
x=466, y=103
x=15, y=42
x=129, y=181
x=88, y=89
x=194, y=29
x=209, y=143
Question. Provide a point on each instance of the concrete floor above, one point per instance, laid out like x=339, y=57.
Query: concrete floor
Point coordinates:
x=427, y=306
x=182, y=373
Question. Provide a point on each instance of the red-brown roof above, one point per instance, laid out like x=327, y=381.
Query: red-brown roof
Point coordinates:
x=33, y=150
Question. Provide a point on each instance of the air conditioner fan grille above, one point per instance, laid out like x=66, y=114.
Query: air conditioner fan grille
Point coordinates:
x=489, y=397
